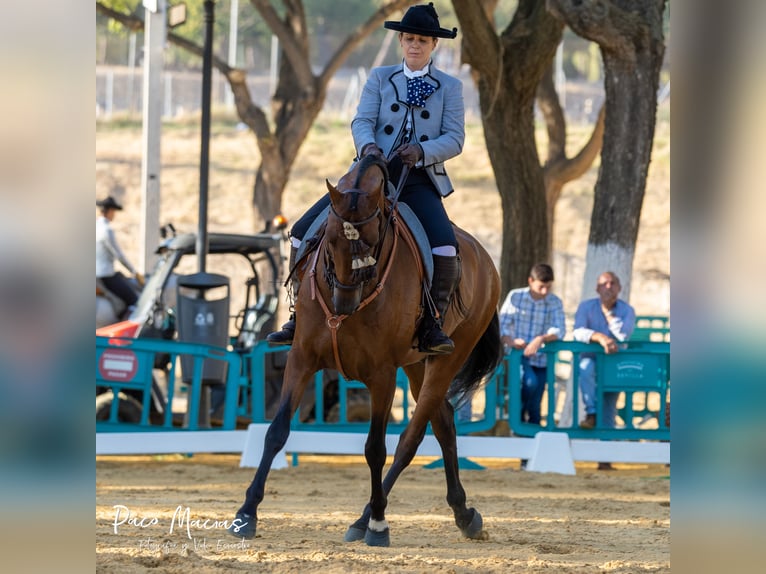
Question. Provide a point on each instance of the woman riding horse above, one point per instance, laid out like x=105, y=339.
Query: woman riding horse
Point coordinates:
x=356, y=313
x=412, y=114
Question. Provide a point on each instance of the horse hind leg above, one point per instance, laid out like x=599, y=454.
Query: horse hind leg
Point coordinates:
x=468, y=520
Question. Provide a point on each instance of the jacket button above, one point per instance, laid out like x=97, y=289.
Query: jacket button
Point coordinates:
x=394, y=107
x=389, y=130
x=424, y=138
x=425, y=115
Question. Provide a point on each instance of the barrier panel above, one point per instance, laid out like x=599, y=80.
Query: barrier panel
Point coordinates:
x=130, y=368
x=132, y=365
x=249, y=394
x=654, y=328
x=640, y=370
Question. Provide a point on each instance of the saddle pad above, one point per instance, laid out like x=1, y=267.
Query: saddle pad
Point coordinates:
x=406, y=215
x=311, y=232
x=409, y=217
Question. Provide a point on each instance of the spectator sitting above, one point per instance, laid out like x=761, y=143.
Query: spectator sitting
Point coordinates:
x=605, y=320
x=107, y=250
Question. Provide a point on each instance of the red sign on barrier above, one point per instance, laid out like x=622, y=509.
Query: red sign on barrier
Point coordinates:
x=118, y=365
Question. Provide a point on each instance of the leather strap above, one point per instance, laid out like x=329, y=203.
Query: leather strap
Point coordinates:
x=334, y=321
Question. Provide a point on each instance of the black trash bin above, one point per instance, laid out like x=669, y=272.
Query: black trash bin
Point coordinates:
x=203, y=317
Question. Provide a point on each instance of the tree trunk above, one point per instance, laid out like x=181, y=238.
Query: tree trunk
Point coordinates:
x=559, y=169
x=507, y=70
x=513, y=154
x=630, y=35
x=278, y=155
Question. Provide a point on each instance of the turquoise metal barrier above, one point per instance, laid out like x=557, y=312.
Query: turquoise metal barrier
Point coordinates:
x=655, y=328
x=638, y=368
x=483, y=423
x=130, y=364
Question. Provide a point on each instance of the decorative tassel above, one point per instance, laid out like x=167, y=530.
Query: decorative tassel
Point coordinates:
x=358, y=247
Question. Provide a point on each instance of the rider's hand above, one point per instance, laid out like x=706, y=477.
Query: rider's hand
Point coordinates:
x=410, y=154
x=372, y=149
x=140, y=278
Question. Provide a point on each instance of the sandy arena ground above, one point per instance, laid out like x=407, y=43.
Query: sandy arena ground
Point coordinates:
x=595, y=521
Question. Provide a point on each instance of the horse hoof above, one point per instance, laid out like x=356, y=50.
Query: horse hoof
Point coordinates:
x=354, y=533
x=373, y=538
x=243, y=526
x=475, y=529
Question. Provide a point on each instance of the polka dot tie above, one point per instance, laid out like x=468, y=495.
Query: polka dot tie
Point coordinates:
x=417, y=91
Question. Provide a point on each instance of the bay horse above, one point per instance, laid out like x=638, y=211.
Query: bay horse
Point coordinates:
x=358, y=313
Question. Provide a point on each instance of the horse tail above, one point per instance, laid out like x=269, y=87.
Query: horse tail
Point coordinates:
x=483, y=361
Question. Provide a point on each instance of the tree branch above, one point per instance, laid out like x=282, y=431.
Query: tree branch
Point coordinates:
x=252, y=115
x=564, y=170
x=131, y=22
x=555, y=122
x=603, y=22
x=288, y=42
x=351, y=42
x=480, y=41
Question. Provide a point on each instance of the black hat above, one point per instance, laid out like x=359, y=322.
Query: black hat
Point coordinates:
x=108, y=203
x=421, y=20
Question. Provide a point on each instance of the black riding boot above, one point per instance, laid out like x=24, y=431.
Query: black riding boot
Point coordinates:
x=433, y=341
x=286, y=334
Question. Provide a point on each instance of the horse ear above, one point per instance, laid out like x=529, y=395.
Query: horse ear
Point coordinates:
x=334, y=193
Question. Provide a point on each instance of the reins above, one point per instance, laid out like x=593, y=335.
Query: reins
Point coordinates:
x=394, y=199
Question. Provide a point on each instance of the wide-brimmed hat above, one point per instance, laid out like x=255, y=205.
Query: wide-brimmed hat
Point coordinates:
x=421, y=20
x=108, y=203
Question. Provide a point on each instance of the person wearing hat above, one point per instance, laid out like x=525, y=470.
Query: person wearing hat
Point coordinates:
x=411, y=114
x=107, y=250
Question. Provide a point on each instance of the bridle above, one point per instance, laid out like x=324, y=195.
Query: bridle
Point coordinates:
x=363, y=262
x=364, y=257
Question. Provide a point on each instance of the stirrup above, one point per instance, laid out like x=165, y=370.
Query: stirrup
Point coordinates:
x=435, y=342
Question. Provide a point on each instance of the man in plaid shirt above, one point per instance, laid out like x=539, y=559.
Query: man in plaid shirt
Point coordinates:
x=530, y=317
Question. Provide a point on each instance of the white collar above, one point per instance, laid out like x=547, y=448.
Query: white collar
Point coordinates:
x=410, y=74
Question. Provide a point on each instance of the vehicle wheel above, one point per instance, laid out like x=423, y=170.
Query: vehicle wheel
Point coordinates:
x=128, y=411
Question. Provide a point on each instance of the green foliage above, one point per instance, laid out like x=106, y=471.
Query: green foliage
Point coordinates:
x=124, y=6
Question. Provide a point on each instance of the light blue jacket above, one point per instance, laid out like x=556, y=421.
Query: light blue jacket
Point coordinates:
x=439, y=127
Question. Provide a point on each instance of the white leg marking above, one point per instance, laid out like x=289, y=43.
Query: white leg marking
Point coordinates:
x=377, y=525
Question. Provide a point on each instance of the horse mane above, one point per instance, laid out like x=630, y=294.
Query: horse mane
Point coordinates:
x=365, y=163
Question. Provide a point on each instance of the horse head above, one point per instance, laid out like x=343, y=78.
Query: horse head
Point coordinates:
x=354, y=232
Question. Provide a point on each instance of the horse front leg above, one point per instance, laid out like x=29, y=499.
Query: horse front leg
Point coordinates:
x=468, y=520
x=372, y=525
x=406, y=448
x=246, y=520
